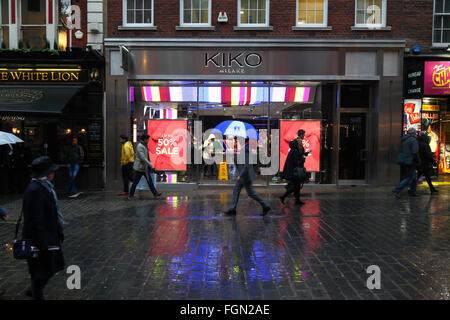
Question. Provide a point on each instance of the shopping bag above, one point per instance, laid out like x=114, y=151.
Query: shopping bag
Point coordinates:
x=143, y=185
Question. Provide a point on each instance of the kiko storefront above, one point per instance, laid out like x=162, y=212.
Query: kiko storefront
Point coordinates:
x=346, y=95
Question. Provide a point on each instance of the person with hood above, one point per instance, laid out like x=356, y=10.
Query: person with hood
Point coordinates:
x=143, y=167
x=126, y=163
x=245, y=180
x=43, y=225
x=427, y=160
x=410, y=148
x=295, y=159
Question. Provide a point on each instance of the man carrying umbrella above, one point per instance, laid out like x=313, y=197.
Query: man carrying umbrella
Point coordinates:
x=245, y=180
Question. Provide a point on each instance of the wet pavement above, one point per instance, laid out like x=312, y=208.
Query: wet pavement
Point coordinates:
x=183, y=247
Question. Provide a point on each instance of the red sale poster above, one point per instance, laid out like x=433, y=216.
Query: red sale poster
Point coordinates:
x=288, y=132
x=168, y=144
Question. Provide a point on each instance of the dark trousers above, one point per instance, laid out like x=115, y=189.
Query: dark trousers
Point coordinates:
x=127, y=175
x=138, y=177
x=37, y=288
x=213, y=169
x=426, y=174
x=248, y=185
x=294, y=187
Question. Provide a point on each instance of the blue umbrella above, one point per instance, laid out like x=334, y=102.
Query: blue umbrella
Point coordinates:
x=237, y=129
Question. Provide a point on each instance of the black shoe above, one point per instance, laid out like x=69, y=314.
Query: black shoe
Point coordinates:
x=298, y=201
x=265, y=211
x=158, y=194
x=434, y=191
x=413, y=195
x=281, y=199
x=231, y=212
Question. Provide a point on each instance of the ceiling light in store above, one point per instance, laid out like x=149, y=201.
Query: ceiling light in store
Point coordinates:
x=83, y=130
x=68, y=131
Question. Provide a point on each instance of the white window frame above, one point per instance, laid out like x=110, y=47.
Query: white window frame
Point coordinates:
x=21, y=26
x=372, y=25
x=253, y=24
x=199, y=24
x=125, y=23
x=312, y=25
x=2, y=24
x=438, y=44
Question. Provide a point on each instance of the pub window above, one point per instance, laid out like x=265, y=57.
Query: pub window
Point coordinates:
x=33, y=32
x=195, y=12
x=253, y=12
x=34, y=6
x=441, y=22
x=370, y=13
x=138, y=13
x=312, y=13
x=4, y=24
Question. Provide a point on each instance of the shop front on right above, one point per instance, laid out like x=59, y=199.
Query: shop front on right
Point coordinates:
x=427, y=106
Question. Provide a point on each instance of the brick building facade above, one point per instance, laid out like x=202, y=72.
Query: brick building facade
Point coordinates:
x=348, y=55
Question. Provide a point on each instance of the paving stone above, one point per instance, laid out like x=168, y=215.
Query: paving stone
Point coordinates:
x=186, y=249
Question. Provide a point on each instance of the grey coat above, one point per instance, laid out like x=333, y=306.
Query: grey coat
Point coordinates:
x=142, y=158
x=246, y=170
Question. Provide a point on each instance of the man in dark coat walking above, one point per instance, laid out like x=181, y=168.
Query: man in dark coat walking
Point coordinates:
x=410, y=147
x=295, y=159
x=245, y=180
x=43, y=224
x=427, y=160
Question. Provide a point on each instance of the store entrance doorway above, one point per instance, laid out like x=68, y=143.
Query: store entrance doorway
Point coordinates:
x=353, y=148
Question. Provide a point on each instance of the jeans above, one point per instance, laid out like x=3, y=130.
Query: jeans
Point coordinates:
x=137, y=178
x=410, y=180
x=37, y=288
x=73, y=172
x=248, y=185
x=127, y=175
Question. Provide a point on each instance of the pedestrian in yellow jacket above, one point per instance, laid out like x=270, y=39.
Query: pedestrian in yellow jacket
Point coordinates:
x=126, y=162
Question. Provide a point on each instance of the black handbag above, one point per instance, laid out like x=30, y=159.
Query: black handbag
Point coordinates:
x=301, y=174
x=22, y=248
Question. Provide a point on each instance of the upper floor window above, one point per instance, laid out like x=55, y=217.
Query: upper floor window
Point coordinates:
x=4, y=23
x=138, y=13
x=441, y=22
x=370, y=13
x=34, y=23
x=312, y=13
x=195, y=12
x=253, y=13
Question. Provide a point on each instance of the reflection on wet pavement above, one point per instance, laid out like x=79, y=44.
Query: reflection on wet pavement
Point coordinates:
x=183, y=247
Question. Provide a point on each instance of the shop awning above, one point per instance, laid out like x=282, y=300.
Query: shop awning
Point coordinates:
x=35, y=100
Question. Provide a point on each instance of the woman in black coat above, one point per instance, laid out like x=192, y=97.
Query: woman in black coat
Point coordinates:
x=43, y=225
x=294, y=159
x=427, y=160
